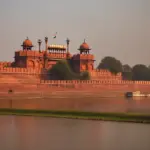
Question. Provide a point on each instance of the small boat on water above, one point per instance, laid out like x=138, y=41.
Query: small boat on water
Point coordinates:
x=136, y=94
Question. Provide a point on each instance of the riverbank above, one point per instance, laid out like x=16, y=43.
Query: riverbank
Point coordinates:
x=119, y=117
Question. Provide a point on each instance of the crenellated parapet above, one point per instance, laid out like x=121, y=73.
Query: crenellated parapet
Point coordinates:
x=28, y=53
x=5, y=64
x=11, y=70
x=40, y=54
x=105, y=74
x=94, y=82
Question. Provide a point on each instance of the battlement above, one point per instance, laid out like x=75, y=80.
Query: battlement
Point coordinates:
x=5, y=64
x=95, y=74
x=10, y=70
x=35, y=53
x=104, y=74
x=28, y=53
x=94, y=82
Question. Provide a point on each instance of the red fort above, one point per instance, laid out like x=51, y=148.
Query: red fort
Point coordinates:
x=29, y=70
x=29, y=60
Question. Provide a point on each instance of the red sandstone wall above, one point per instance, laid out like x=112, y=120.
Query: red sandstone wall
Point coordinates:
x=4, y=64
x=103, y=85
x=19, y=78
x=34, y=87
x=20, y=70
x=104, y=75
x=96, y=82
x=35, y=53
x=19, y=75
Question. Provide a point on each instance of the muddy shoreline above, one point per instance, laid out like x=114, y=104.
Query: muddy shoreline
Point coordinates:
x=119, y=117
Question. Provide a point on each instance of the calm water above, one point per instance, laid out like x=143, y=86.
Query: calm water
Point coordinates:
x=37, y=133
x=77, y=103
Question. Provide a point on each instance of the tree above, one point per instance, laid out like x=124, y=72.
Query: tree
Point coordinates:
x=63, y=71
x=111, y=64
x=127, y=72
x=126, y=68
x=141, y=72
x=85, y=75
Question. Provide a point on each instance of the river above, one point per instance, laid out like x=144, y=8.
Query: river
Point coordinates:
x=43, y=133
x=78, y=103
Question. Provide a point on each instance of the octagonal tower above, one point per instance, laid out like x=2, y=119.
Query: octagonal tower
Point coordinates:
x=84, y=61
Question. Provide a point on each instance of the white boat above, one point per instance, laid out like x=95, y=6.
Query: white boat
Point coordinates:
x=136, y=94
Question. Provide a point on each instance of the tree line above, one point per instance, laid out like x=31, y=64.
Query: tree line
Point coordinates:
x=139, y=72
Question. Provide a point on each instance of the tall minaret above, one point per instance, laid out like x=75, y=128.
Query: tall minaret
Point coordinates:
x=39, y=42
x=46, y=44
x=45, y=53
x=68, y=41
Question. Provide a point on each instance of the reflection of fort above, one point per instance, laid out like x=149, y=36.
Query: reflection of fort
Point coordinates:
x=28, y=60
x=26, y=129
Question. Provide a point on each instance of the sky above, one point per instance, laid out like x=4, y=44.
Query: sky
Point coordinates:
x=118, y=28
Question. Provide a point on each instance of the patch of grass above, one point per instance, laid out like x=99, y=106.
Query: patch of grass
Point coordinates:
x=124, y=117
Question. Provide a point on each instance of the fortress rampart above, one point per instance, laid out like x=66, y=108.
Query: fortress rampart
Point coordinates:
x=104, y=75
x=95, y=74
x=98, y=77
x=95, y=82
x=11, y=70
x=4, y=64
x=31, y=80
x=30, y=67
x=35, y=53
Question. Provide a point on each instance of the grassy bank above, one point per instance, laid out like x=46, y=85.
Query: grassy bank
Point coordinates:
x=122, y=117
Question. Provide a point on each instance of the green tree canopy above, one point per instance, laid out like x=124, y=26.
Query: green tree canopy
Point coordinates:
x=111, y=64
x=126, y=68
x=127, y=72
x=141, y=72
x=63, y=71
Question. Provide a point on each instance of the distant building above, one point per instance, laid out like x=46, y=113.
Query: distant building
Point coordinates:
x=44, y=59
x=28, y=58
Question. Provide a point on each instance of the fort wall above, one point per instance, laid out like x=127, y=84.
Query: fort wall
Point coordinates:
x=9, y=70
x=104, y=75
x=89, y=82
x=11, y=75
x=35, y=53
x=29, y=78
x=48, y=86
x=95, y=74
x=4, y=64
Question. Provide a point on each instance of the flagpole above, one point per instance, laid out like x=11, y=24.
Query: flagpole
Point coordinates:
x=54, y=36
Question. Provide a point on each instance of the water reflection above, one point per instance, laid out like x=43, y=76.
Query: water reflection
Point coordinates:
x=118, y=104
x=29, y=133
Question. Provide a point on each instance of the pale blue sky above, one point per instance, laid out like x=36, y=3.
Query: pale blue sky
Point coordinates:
x=119, y=28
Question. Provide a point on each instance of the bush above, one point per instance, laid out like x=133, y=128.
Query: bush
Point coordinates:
x=85, y=76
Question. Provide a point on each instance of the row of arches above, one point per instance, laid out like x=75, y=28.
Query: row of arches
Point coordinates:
x=87, y=67
x=34, y=64
x=38, y=64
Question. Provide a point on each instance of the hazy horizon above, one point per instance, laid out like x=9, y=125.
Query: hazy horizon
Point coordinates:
x=118, y=28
